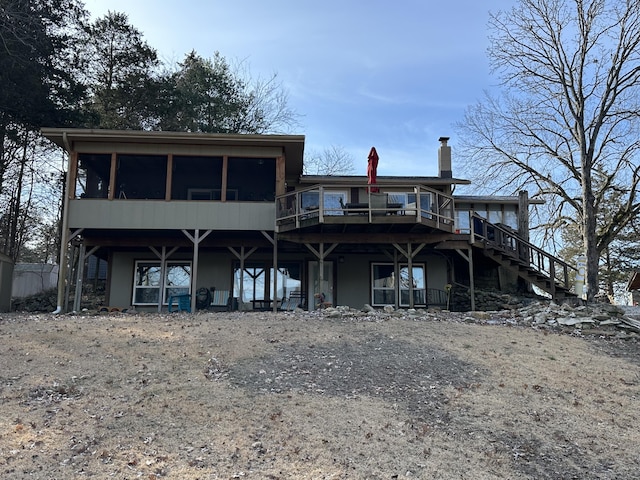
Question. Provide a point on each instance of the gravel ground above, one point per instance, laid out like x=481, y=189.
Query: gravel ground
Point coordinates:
x=309, y=395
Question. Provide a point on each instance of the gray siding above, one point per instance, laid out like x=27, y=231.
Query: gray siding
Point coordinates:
x=158, y=214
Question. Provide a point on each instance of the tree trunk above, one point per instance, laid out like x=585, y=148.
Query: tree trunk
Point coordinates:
x=589, y=232
x=14, y=244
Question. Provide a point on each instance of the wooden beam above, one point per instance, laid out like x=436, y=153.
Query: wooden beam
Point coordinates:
x=196, y=238
x=112, y=176
x=369, y=238
x=167, y=188
x=162, y=256
x=275, y=271
x=225, y=170
x=79, y=275
x=73, y=174
x=280, y=176
x=468, y=256
x=242, y=255
x=321, y=253
x=175, y=241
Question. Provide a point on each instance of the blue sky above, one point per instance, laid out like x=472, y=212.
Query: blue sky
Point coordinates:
x=394, y=75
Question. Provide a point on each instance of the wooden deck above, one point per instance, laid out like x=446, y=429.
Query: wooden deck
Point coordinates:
x=431, y=208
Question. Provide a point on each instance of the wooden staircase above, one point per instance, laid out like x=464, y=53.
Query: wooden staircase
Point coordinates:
x=534, y=265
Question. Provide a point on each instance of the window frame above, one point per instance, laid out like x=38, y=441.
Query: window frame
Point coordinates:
x=165, y=272
x=397, y=290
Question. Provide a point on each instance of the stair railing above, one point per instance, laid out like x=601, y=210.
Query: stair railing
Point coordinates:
x=507, y=241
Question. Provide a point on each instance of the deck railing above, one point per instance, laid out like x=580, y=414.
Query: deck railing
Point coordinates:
x=322, y=201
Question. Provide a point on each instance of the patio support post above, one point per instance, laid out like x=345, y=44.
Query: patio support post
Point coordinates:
x=320, y=254
x=241, y=256
x=163, y=255
x=74, y=250
x=196, y=239
x=472, y=285
x=274, y=242
x=241, y=288
x=80, y=276
x=275, y=270
x=410, y=266
x=64, y=240
x=396, y=274
x=468, y=256
x=321, y=270
x=409, y=254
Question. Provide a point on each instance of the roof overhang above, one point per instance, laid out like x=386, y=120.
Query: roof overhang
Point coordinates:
x=494, y=199
x=293, y=145
x=386, y=180
x=634, y=282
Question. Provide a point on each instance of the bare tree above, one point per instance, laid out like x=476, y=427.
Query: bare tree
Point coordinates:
x=268, y=109
x=567, y=125
x=334, y=160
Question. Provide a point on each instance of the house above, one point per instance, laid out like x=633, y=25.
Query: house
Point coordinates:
x=231, y=221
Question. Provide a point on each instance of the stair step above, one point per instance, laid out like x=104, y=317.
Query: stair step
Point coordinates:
x=524, y=269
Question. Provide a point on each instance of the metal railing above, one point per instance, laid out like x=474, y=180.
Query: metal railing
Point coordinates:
x=321, y=201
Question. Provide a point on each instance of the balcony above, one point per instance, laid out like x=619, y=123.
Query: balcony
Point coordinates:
x=354, y=204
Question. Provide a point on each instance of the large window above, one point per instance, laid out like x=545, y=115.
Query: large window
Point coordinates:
x=141, y=176
x=146, y=290
x=258, y=282
x=503, y=214
x=251, y=179
x=419, y=285
x=196, y=178
x=253, y=280
x=93, y=175
x=408, y=201
x=385, y=285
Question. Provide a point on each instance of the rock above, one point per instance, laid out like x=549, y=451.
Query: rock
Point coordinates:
x=540, y=318
x=570, y=321
x=605, y=323
x=480, y=315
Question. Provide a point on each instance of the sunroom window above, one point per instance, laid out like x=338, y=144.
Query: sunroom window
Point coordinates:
x=93, y=175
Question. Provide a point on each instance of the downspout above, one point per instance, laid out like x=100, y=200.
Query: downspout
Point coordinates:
x=64, y=235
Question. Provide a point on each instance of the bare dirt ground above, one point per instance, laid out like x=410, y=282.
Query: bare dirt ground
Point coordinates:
x=280, y=396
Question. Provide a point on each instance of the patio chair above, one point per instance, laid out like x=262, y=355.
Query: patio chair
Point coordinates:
x=378, y=203
x=220, y=298
x=184, y=303
x=295, y=300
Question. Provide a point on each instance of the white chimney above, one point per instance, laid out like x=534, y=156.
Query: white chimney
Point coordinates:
x=444, y=158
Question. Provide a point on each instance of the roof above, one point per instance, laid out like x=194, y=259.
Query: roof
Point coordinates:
x=501, y=199
x=386, y=180
x=293, y=145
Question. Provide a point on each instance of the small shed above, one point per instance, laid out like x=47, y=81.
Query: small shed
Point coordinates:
x=6, y=282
